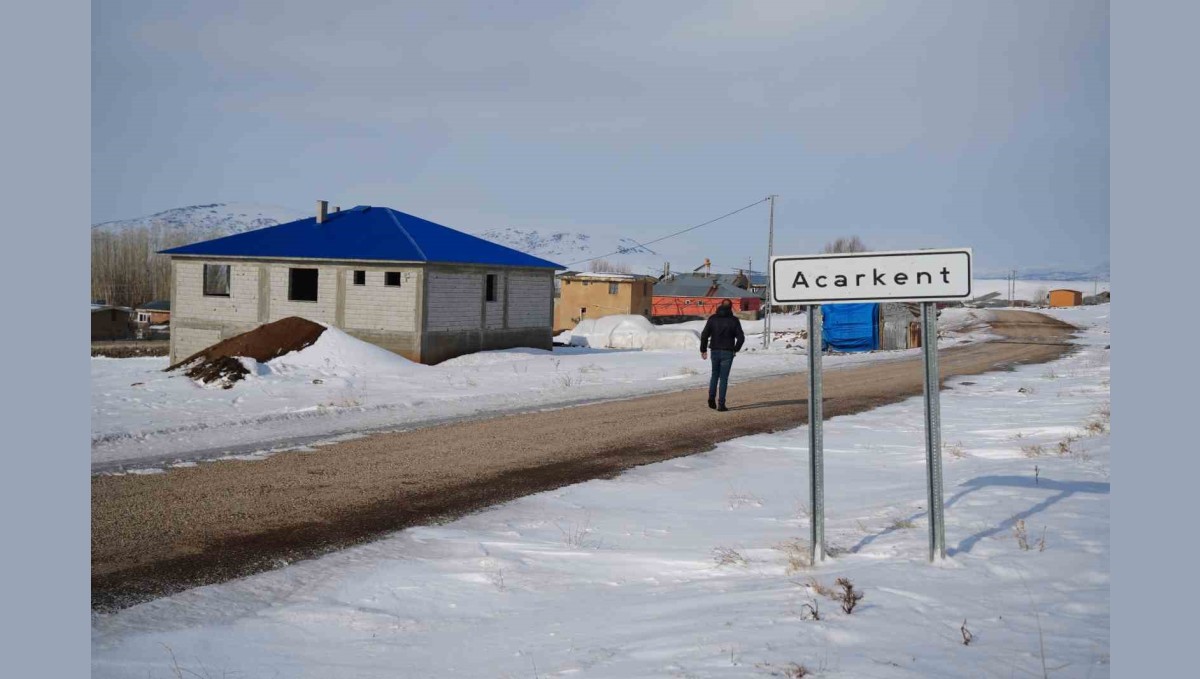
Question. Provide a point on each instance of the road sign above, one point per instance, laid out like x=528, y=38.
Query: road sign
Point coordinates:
x=924, y=276
x=908, y=276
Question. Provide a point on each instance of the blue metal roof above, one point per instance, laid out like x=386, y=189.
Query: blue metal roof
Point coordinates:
x=365, y=232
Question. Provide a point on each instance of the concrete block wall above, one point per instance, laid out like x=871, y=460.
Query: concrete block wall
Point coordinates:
x=438, y=311
x=241, y=306
x=324, y=310
x=455, y=300
x=530, y=299
x=187, y=341
x=376, y=307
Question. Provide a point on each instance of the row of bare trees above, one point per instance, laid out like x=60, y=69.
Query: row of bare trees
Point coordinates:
x=126, y=269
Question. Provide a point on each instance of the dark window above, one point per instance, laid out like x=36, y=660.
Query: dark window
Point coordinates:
x=612, y=288
x=302, y=285
x=360, y=277
x=216, y=280
x=392, y=278
x=491, y=287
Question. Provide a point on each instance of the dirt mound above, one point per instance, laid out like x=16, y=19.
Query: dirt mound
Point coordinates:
x=219, y=362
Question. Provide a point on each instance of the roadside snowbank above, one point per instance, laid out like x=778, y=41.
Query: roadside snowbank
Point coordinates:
x=341, y=386
x=623, y=331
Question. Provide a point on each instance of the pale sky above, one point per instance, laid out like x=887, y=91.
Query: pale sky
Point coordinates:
x=937, y=123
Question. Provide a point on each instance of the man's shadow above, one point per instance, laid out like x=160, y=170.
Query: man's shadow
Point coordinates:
x=772, y=404
x=1061, y=489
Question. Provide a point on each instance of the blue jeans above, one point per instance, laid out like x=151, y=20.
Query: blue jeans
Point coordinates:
x=722, y=361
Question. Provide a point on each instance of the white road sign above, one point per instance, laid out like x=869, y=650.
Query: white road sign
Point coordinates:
x=910, y=276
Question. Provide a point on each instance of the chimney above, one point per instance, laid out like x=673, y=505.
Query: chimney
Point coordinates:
x=322, y=210
x=337, y=208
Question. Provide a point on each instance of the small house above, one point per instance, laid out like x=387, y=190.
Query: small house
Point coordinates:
x=699, y=295
x=595, y=295
x=1064, y=297
x=414, y=287
x=110, y=323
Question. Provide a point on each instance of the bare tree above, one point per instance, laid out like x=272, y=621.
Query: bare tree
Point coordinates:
x=844, y=244
x=126, y=267
x=605, y=266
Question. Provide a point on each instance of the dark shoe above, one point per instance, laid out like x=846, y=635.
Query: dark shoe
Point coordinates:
x=721, y=408
x=712, y=403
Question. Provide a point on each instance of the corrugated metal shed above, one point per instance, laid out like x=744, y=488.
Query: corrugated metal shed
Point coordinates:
x=698, y=286
x=365, y=233
x=895, y=321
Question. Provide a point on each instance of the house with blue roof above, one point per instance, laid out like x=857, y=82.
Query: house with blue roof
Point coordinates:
x=417, y=288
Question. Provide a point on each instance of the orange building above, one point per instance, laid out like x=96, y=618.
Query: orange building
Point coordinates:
x=1063, y=297
x=699, y=295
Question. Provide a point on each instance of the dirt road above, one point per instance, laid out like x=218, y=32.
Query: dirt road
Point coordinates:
x=156, y=534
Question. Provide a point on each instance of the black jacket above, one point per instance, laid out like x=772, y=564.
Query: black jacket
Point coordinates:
x=725, y=330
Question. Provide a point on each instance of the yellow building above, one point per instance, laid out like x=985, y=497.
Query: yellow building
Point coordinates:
x=593, y=295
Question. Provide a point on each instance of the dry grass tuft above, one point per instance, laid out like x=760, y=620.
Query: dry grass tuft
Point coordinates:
x=956, y=451
x=795, y=554
x=848, y=597
x=728, y=556
x=817, y=586
x=1032, y=450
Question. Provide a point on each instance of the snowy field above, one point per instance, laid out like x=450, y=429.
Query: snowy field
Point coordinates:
x=1030, y=290
x=143, y=418
x=693, y=567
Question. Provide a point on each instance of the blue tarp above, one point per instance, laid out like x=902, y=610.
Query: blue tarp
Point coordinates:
x=850, y=327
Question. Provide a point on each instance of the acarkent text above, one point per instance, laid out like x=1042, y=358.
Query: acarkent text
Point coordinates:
x=916, y=275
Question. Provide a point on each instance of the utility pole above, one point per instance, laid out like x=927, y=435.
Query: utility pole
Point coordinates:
x=770, y=252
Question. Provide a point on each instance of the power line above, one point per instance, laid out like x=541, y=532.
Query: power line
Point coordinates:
x=672, y=235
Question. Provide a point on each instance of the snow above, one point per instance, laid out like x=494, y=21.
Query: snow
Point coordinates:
x=213, y=219
x=144, y=417
x=620, y=577
x=621, y=331
x=605, y=275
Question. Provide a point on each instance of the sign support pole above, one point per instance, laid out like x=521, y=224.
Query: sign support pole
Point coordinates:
x=770, y=254
x=816, y=462
x=933, y=432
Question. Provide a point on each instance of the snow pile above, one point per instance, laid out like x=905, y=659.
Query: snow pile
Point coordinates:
x=337, y=353
x=623, y=331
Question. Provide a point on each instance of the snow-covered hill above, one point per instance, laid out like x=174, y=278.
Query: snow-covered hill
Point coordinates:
x=216, y=219
x=569, y=249
x=1050, y=273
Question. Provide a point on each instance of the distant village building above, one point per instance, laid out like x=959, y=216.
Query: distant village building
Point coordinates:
x=152, y=319
x=594, y=295
x=111, y=323
x=1064, y=298
x=699, y=295
x=420, y=289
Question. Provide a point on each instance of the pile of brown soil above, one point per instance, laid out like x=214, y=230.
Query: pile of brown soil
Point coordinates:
x=219, y=362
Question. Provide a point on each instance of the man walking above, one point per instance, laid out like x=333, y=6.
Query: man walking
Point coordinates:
x=725, y=331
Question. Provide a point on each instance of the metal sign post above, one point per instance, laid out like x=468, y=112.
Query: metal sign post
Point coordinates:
x=933, y=432
x=924, y=276
x=816, y=453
